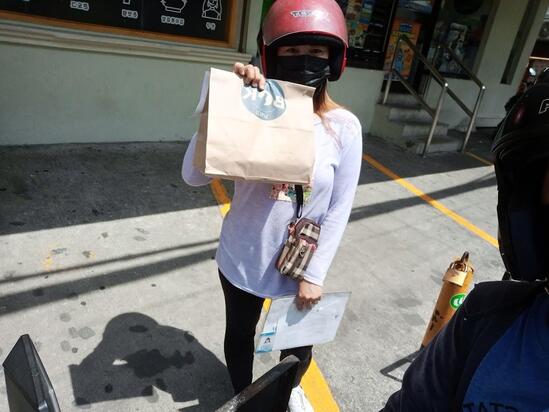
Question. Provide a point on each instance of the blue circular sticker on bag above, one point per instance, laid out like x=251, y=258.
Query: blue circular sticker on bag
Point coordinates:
x=268, y=104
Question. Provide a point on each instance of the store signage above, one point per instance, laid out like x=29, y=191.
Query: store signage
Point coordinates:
x=205, y=19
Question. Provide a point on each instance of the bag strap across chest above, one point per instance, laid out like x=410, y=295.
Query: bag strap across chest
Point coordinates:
x=299, y=198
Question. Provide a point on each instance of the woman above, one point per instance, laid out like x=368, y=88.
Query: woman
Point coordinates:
x=303, y=42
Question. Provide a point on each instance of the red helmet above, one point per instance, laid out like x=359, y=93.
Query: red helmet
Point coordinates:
x=294, y=22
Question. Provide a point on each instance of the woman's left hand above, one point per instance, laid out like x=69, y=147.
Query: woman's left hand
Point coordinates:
x=308, y=295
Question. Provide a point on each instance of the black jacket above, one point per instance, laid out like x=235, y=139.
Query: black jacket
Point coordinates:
x=438, y=379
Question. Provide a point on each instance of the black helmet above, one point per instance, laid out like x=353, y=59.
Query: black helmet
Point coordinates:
x=543, y=77
x=521, y=151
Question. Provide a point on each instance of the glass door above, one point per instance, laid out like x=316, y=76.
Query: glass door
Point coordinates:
x=414, y=19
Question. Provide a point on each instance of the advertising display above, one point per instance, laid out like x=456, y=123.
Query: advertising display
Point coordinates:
x=204, y=19
x=404, y=54
x=358, y=15
x=461, y=26
x=420, y=6
x=368, y=24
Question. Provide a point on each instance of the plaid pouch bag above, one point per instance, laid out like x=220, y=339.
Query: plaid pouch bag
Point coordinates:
x=299, y=248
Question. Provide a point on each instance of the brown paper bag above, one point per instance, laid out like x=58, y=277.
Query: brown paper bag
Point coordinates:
x=245, y=134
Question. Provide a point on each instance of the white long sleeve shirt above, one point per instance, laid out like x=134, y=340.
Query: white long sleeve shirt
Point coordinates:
x=255, y=229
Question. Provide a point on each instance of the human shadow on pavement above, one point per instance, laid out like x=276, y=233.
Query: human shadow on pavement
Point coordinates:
x=139, y=357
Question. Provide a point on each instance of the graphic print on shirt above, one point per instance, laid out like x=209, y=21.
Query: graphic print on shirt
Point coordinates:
x=286, y=192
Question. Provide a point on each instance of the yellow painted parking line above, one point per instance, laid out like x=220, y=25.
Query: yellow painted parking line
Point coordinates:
x=480, y=159
x=317, y=390
x=434, y=203
x=313, y=382
x=47, y=263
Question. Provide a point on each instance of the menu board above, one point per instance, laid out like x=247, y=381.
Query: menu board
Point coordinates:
x=204, y=19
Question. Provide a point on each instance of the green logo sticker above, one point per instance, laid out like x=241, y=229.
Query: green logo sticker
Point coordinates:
x=457, y=300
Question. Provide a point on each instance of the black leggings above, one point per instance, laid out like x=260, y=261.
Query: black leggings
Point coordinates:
x=242, y=311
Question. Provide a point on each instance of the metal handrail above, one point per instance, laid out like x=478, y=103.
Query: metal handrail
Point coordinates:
x=435, y=112
x=473, y=115
x=421, y=100
x=387, y=31
x=461, y=64
x=459, y=102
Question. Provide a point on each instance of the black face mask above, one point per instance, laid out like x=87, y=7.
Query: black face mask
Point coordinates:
x=304, y=69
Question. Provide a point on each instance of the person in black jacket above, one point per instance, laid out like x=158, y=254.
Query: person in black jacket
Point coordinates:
x=493, y=356
x=543, y=77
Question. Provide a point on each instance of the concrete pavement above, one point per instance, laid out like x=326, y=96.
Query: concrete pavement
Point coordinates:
x=106, y=261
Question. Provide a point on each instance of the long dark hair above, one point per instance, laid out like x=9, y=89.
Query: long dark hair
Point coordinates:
x=322, y=102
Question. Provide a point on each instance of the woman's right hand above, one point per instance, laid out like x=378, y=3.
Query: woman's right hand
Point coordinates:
x=250, y=74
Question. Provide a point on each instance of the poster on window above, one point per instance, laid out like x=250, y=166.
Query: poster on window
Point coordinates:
x=404, y=54
x=461, y=26
x=358, y=15
x=420, y=6
x=456, y=42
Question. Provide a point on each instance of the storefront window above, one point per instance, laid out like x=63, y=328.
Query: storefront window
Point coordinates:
x=420, y=6
x=405, y=55
x=207, y=21
x=368, y=24
x=461, y=25
x=411, y=21
x=374, y=27
x=358, y=15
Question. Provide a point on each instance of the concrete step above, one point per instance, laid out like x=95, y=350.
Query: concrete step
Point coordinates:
x=409, y=127
x=402, y=130
x=415, y=129
x=402, y=100
x=405, y=114
x=438, y=144
x=415, y=144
